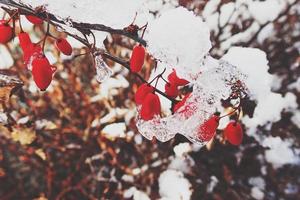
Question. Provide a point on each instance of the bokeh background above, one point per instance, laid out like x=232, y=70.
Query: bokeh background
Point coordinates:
x=78, y=139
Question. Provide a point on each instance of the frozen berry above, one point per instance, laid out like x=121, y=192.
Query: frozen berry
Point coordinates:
x=174, y=79
x=150, y=107
x=208, y=129
x=171, y=90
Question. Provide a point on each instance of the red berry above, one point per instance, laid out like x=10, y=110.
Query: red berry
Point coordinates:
x=6, y=32
x=30, y=50
x=137, y=58
x=34, y=20
x=234, y=133
x=64, y=46
x=150, y=107
x=24, y=40
x=208, y=129
x=171, y=90
x=142, y=92
x=173, y=78
x=42, y=72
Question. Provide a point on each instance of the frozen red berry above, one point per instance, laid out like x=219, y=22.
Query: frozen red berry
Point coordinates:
x=181, y=103
x=150, y=107
x=24, y=40
x=137, y=58
x=64, y=46
x=42, y=72
x=171, y=90
x=174, y=79
x=34, y=20
x=234, y=133
x=6, y=32
x=208, y=129
x=142, y=92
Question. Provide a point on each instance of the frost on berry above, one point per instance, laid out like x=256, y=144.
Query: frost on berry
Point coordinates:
x=214, y=84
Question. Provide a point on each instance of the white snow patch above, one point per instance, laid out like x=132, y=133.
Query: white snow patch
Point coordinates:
x=173, y=186
x=280, y=152
x=115, y=130
x=180, y=40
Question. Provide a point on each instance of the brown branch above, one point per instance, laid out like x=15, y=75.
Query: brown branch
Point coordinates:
x=82, y=27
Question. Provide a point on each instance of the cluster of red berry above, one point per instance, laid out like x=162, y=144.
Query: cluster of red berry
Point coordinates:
x=233, y=132
x=33, y=53
x=150, y=104
x=145, y=95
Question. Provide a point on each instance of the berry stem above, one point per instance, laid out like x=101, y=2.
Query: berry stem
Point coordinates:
x=20, y=24
x=232, y=112
x=46, y=35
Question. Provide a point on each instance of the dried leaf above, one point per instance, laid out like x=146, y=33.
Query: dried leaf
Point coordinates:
x=8, y=85
x=24, y=135
x=41, y=154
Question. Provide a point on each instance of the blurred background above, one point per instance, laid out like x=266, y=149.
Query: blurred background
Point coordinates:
x=78, y=139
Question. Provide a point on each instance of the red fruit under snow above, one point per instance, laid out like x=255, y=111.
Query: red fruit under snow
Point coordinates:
x=150, y=107
x=34, y=20
x=42, y=72
x=24, y=40
x=142, y=92
x=64, y=46
x=181, y=103
x=234, y=133
x=6, y=32
x=174, y=79
x=208, y=129
x=137, y=58
x=171, y=90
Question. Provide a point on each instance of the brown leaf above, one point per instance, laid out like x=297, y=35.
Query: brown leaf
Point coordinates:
x=8, y=85
x=23, y=135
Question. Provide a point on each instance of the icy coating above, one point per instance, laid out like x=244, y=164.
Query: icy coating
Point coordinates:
x=212, y=85
x=103, y=72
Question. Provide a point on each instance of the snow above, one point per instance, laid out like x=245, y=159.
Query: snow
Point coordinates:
x=279, y=152
x=6, y=61
x=166, y=41
x=254, y=64
x=114, y=130
x=182, y=149
x=258, y=9
x=136, y=194
x=99, y=13
x=173, y=186
x=257, y=194
x=213, y=183
x=258, y=182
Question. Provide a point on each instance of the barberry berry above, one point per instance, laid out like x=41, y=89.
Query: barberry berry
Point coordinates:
x=64, y=46
x=137, y=58
x=150, y=107
x=142, y=92
x=6, y=32
x=234, y=133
